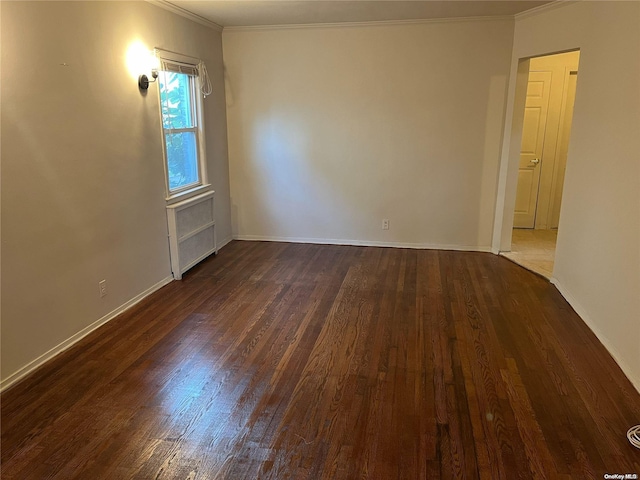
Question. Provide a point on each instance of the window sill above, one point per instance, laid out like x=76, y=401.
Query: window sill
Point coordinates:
x=187, y=194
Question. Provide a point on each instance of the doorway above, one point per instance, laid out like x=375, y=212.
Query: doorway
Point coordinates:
x=546, y=129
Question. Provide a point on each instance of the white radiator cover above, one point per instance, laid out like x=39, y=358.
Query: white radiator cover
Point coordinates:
x=192, y=232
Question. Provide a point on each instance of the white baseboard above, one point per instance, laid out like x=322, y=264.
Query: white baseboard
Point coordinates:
x=365, y=243
x=631, y=375
x=61, y=347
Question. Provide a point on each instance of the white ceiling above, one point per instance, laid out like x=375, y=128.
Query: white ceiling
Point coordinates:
x=232, y=13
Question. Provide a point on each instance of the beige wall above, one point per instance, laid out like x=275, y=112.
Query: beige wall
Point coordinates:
x=598, y=252
x=332, y=129
x=82, y=174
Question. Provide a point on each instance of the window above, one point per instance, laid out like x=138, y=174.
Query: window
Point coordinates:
x=180, y=105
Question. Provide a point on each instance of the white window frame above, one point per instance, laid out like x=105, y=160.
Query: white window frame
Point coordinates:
x=189, y=63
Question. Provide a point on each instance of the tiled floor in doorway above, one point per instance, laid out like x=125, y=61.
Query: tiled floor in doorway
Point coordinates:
x=533, y=249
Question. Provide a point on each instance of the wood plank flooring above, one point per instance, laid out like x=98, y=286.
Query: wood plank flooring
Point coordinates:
x=292, y=361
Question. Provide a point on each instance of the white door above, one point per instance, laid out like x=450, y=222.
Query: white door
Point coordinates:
x=535, y=119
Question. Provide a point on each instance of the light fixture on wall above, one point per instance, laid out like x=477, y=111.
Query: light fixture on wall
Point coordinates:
x=143, y=80
x=142, y=63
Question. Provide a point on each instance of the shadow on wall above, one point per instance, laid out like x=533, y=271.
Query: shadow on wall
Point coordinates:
x=494, y=124
x=282, y=165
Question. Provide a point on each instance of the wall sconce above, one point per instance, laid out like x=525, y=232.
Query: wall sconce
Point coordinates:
x=139, y=59
x=143, y=80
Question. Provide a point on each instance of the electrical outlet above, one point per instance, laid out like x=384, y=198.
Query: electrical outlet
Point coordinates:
x=385, y=224
x=102, y=285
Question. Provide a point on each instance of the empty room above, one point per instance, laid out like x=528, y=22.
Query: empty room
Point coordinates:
x=273, y=239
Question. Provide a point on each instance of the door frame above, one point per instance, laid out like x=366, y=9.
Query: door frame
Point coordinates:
x=510, y=153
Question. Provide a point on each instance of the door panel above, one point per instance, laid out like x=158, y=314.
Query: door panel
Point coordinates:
x=532, y=122
x=533, y=129
x=523, y=196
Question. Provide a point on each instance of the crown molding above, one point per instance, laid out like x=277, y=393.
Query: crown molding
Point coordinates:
x=547, y=7
x=379, y=23
x=185, y=13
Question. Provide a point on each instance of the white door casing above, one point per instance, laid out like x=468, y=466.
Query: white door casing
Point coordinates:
x=570, y=80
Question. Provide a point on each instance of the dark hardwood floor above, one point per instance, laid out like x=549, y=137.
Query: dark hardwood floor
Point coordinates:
x=284, y=361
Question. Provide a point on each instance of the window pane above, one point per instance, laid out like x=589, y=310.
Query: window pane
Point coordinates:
x=175, y=90
x=182, y=160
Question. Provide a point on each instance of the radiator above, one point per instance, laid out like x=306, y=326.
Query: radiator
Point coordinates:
x=192, y=232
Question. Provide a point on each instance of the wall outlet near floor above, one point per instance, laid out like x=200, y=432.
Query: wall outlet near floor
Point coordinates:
x=102, y=285
x=385, y=224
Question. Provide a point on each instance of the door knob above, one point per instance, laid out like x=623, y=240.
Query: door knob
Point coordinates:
x=535, y=161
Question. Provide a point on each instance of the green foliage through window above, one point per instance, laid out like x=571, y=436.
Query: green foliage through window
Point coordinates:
x=180, y=129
